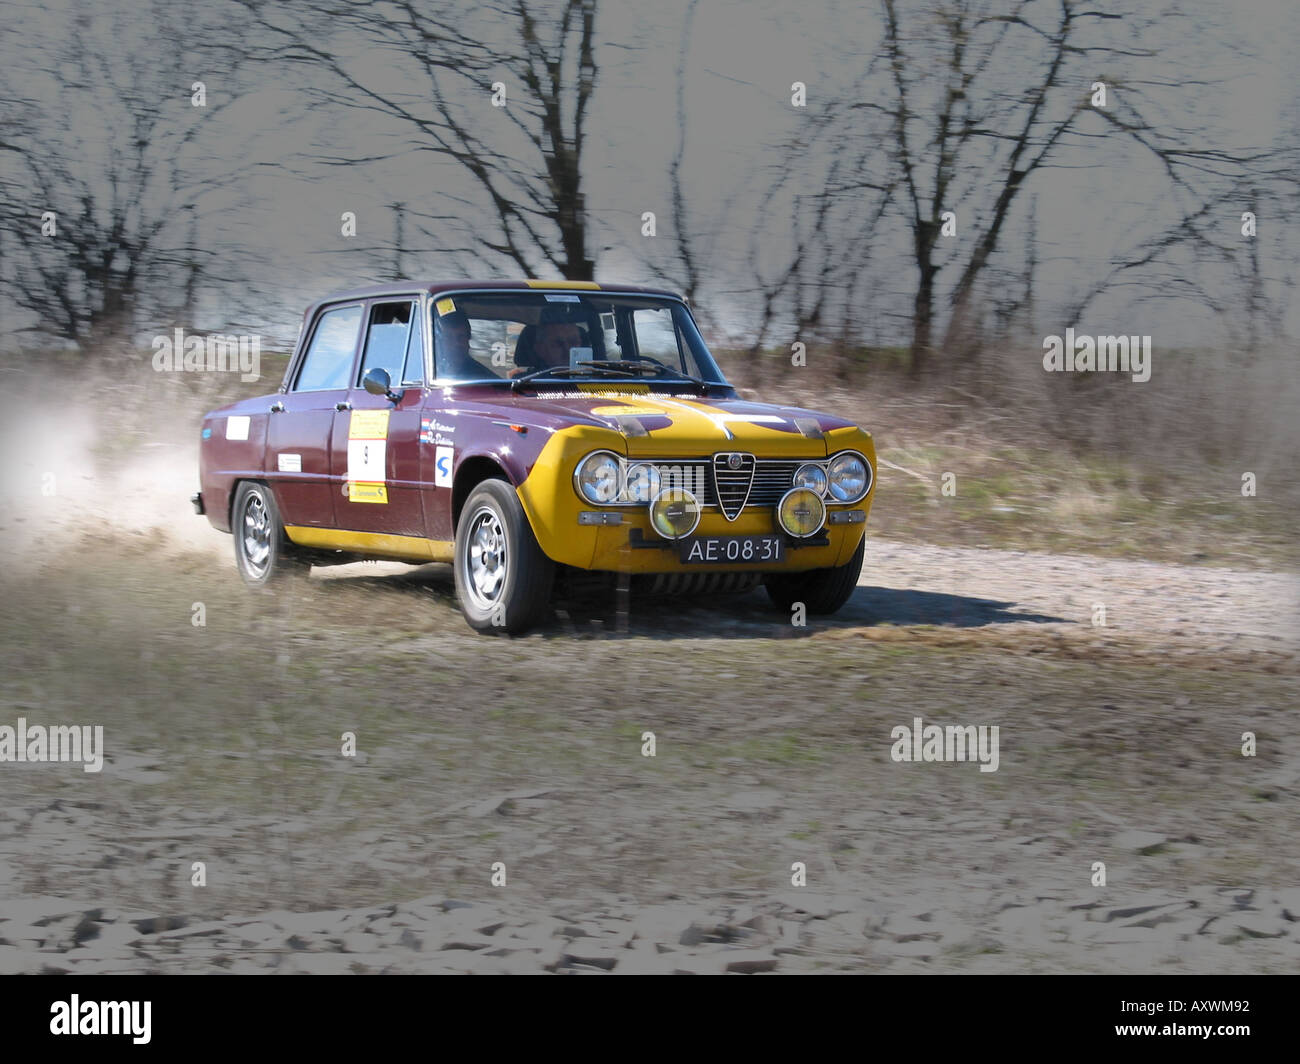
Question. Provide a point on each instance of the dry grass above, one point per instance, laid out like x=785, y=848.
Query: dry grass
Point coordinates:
x=1068, y=463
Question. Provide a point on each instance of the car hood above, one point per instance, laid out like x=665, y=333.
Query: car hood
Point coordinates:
x=655, y=424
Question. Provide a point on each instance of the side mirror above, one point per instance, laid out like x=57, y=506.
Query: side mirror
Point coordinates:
x=377, y=382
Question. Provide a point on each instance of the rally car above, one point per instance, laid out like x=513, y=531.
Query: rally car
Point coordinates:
x=523, y=431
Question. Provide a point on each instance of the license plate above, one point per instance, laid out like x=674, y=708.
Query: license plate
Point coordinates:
x=743, y=550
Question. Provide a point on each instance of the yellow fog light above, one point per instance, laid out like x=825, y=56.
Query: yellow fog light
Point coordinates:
x=801, y=512
x=674, y=513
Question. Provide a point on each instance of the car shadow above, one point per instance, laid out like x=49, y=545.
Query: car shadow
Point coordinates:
x=746, y=615
x=888, y=605
x=752, y=614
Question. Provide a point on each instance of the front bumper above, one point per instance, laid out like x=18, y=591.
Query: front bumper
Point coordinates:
x=624, y=541
x=630, y=545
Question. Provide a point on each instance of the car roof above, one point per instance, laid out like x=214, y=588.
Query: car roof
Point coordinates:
x=399, y=288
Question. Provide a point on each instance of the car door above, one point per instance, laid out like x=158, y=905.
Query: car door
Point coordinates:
x=300, y=428
x=376, y=443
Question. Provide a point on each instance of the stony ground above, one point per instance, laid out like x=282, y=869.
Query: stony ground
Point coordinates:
x=1120, y=743
x=1206, y=929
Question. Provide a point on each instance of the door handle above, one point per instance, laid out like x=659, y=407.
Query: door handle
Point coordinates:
x=277, y=407
x=344, y=405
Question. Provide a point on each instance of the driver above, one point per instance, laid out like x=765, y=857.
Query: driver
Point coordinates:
x=554, y=339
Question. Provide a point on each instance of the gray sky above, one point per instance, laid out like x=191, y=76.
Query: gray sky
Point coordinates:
x=284, y=228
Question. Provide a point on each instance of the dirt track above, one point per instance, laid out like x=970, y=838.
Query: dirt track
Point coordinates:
x=1118, y=744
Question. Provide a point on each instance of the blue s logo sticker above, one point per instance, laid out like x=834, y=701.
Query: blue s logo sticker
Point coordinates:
x=442, y=463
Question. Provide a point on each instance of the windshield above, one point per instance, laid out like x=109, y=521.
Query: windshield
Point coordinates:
x=562, y=336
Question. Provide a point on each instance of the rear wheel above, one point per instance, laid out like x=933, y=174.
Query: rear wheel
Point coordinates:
x=263, y=553
x=503, y=578
x=820, y=590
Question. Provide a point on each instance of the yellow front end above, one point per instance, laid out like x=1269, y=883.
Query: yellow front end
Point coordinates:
x=554, y=507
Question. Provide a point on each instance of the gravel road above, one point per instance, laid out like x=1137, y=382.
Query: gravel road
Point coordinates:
x=1121, y=744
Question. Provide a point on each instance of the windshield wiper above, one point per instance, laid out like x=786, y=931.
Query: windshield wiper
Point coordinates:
x=557, y=371
x=612, y=367
x=658, y=368
x=626, y=364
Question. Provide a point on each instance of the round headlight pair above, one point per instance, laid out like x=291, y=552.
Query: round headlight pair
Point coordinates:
x=850, y=477
x=599, y=479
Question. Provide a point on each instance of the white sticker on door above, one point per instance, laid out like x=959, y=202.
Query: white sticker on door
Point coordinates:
x=237, y=428
x=442, y=462
x=368, y=456
x=289, y=463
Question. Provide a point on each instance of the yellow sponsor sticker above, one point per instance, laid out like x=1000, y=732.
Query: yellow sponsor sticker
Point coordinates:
x=359, y=491
x=614, y=393
x=445, y=306
x=630, y=410
x=368, y=456
x=368, y=425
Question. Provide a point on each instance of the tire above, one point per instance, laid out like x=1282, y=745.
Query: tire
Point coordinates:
x=503, y=579
x=821, y=591
x=263, y=554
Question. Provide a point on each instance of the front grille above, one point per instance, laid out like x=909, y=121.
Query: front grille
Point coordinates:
x=770, y=480
x=733, y=476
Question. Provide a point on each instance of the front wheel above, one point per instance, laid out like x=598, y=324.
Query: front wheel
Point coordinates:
x=820, y=590
x=503, y=579
x=263, y=553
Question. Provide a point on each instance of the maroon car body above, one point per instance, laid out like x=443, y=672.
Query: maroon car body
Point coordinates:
x=342, y=470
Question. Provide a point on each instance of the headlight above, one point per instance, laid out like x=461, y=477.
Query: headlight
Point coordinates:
x=801, y=512
x=642, y=483
x=597, y=477
x=850, y=477
x=811, y=477
x=675, y=513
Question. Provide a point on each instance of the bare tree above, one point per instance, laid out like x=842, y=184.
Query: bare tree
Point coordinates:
x=512, y=119
x=103, y=185
x=966, y=106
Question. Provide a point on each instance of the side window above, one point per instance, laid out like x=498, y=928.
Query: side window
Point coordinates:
x=414, y=372
x=329, y=358
x=390, y=327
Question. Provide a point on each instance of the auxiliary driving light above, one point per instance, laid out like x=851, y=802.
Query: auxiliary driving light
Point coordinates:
x=674, y=513
x=801, y=512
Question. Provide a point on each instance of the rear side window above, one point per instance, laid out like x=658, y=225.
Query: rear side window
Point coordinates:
x=329, y=358
x=386, y=340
